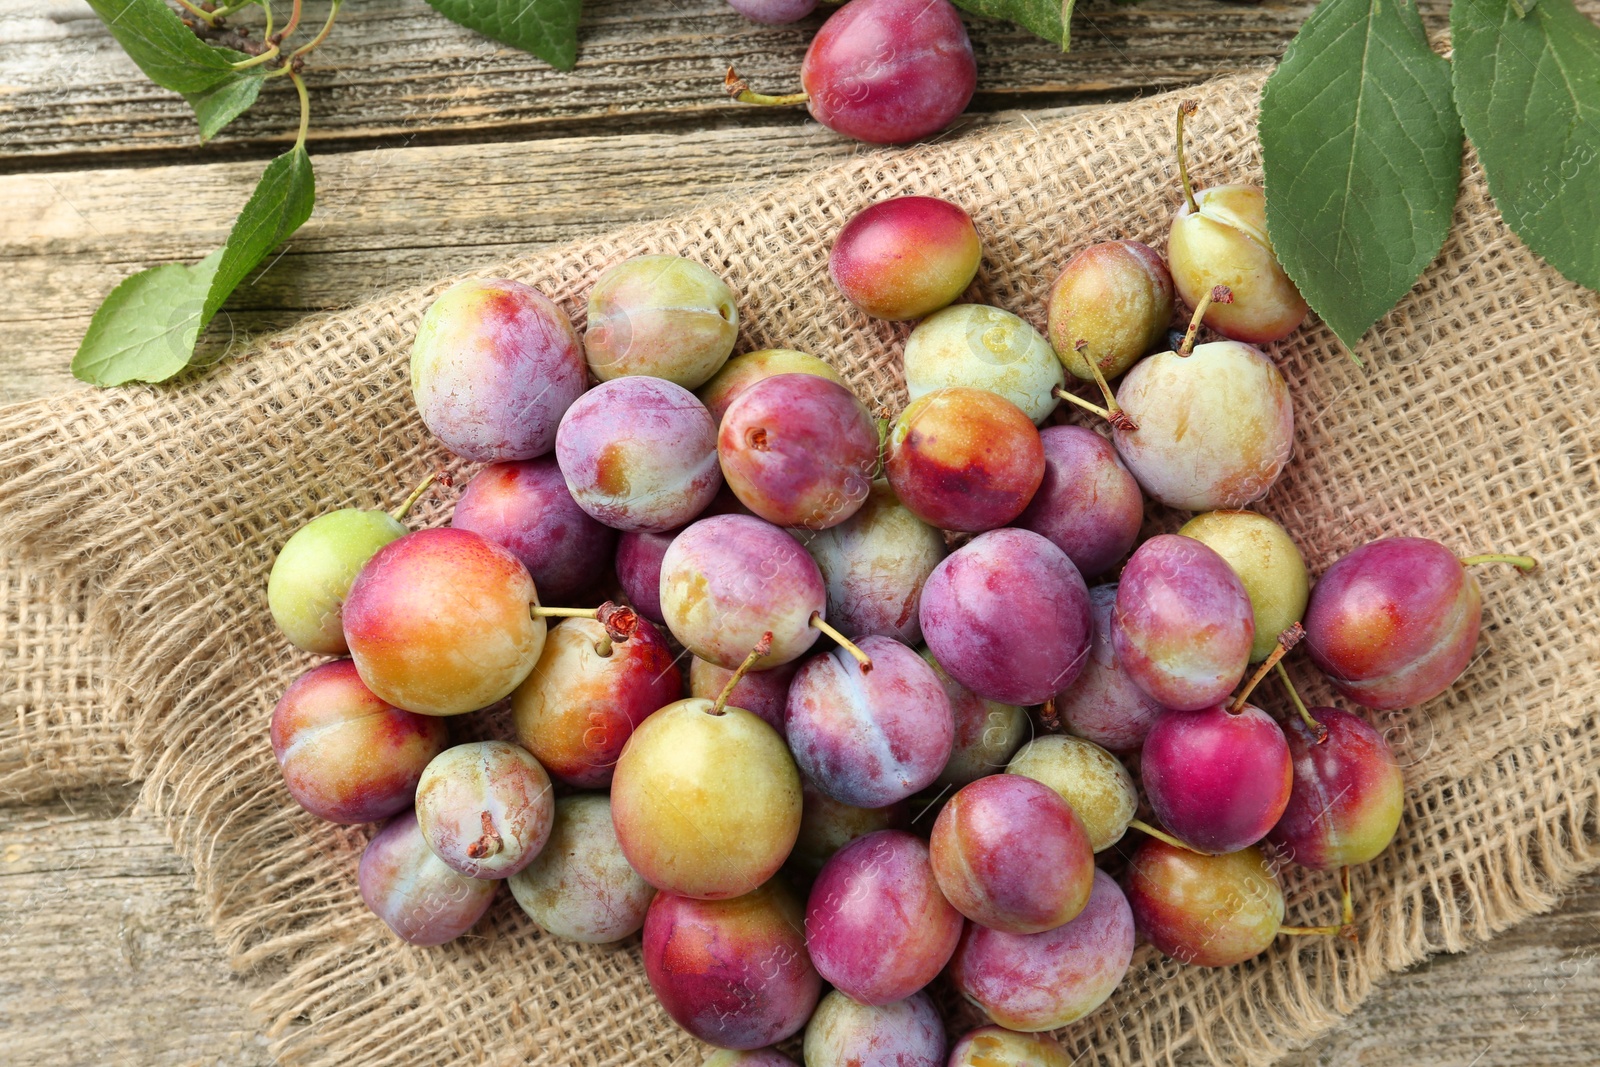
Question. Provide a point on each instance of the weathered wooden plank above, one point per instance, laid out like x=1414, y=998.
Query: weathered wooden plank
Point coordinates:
x=396, y=72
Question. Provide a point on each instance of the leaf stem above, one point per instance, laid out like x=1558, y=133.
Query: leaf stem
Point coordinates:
x=208, y=17
x=294, y=21
x=322, y=35
x=255, y=61
x=305, y=106
x=1186, y=107
x=266, y=7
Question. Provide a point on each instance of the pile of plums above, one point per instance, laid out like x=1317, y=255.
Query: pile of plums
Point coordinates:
x=944, y=786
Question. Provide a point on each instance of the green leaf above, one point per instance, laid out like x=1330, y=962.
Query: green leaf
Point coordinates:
x=164, y=48
x=145, y=331
x=214, y=108
x=282, y=201
x=1050, y=19
x=1529, y=94
x=1362, y=153
x=547, y=28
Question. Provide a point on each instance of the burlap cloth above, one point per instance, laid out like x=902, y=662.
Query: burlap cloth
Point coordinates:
x=139, y=525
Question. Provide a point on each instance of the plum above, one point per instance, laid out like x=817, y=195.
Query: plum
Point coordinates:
x=1212, y=911
x=1045, y=980
x=662, y=316
x=494, y=367
x=485, y=808
x=798, y=450
x=1089, y=504
x=587, y=694
x=1091, y=780
x=827, y=825
x=580, y=886
x=728, y=579
x=1103, y=705
x=987, y=731
x=413, y=891
x=985, y=348
x=705, y=800
x=875, y=564
x=734, y=972
x=995, y=1046
x=766, y=693
x=1115, y=299
x=346, y=756
x=1219, y=237
x=1395, y=622
x=1182, y=628
x=524, y=506
x=1213, y=428
x=1011, y=854
x=877, y=926
x=772, y=12
x=903, y=1033
x=1266, y=561
x=639, y=454
x=1217, y=779
x=964, y=459
x=869, y=738
x=440, y=622
x=1007, y=616
x=905, y=257
x=1348, y=792
x=638, y=568
x=761, y=1057
x=741, y=372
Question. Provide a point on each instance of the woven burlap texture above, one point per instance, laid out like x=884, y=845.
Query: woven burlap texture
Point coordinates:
x=156, y=512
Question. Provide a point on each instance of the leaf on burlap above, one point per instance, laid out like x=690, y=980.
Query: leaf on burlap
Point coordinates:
x=1528, y=86
x=1362, y=154
x=1050, y=19
x=547, y=28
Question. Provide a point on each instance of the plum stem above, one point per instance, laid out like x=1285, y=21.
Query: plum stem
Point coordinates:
x=1186, y=107
x=1317, y=729
x=539, y=611
x=844, y=642
x=621, y=622
x=740, y=90
x=1160, y=835
x=1312, y=931
x=1286, y=640
x=399, y=513
x=1522, y=563
x=1087, y=405
x=1114, y=414
x=489, y=843
x=1049, y=717
x=763, y=646
x=1219, y=294
x=1347, y=906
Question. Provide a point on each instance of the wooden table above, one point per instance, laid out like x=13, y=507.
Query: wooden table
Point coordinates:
x=437, y=150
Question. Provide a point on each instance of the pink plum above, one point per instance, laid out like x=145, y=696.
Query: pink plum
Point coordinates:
x=904, y=1033
x=1217, y=779
x=1348, y=793
x=1211, y=911
x=905, y=257
x=766, y=693
x=964, y=459
x=1088, y=504
x=485, y=808
x=413, y=891
x=1103, y=705
x=638, y=567
x=580, y=886
x=1043, y=981
x=494, y=367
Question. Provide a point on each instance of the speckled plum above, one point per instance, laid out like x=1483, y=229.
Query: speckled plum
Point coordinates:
x=798, y=450
x=733, y=973
x=1225, y=242
x=1011, y=854
x=827, y=825
x=662, y=316
x=1182, y=627
x=875, y=564
x=729, y=579
x=995, y=1046
x=588, y=692
x=1103, y=705
x=314, y=569
x=1116, y=298
x=346, y=756
x=1216, y=428
x=869, y=738
x=494, y=367
x=987, y=731
x=1089, y=503
x=485, y=808
x=638, y=568
x=743, y=371
x=983, y=347
x=876, y=923
x=1091, y=780
x=766, y=693
x=964, y=459
x=525, y=507
x=1007, y=616
x=639, y=454
x=1042, y=981
x=438, y=622
x=413, y=891
x=580, y=886
x=1211, y=911
x=1348, y=793
x=905, y=257
x=1266, y=561
x=1217, y=779
x=889, y=71
x=904, y=1033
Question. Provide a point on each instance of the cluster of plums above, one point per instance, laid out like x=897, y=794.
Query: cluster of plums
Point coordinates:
x=938, y=829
